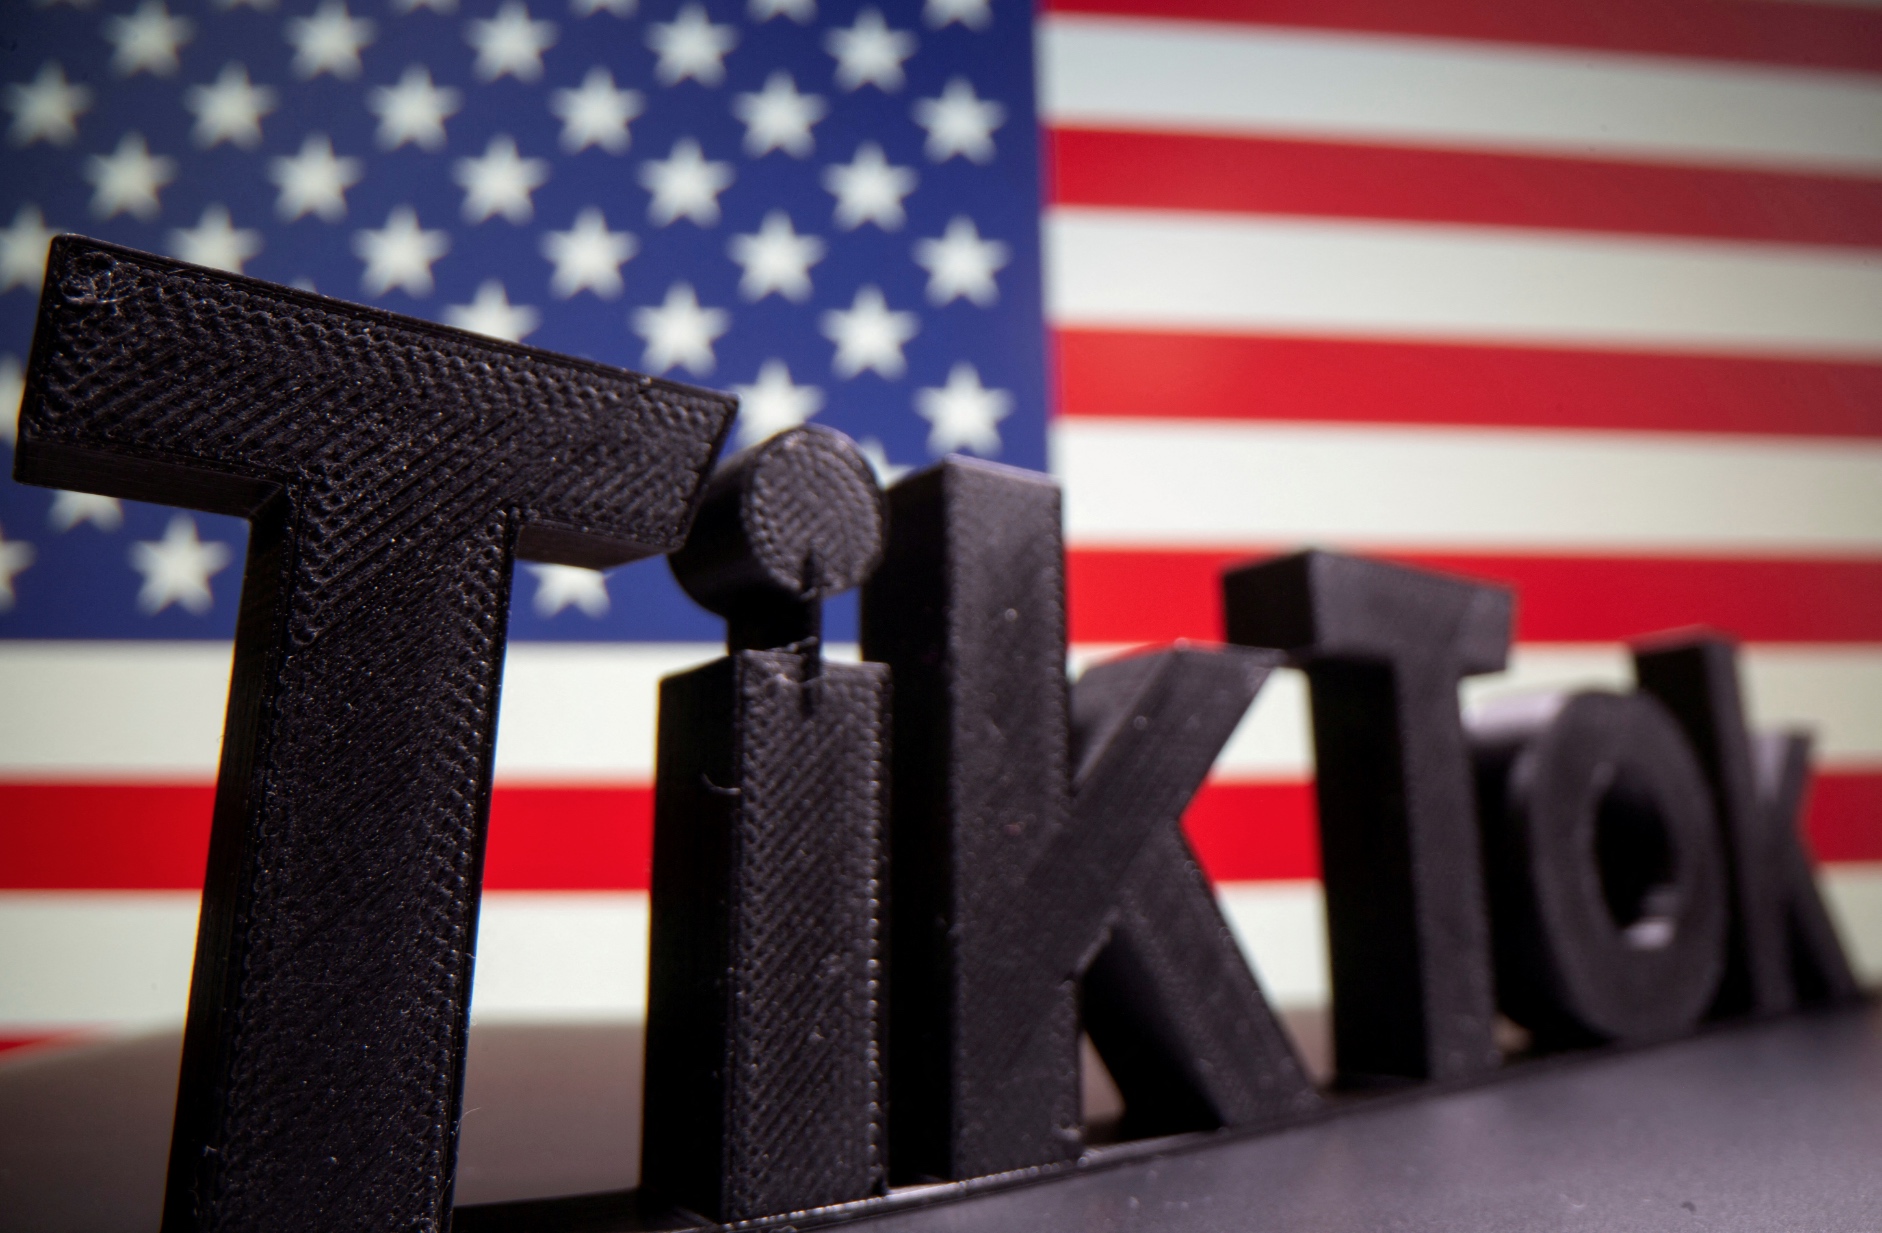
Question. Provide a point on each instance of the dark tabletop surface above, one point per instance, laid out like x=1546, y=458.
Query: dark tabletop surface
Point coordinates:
x=1772, y=1126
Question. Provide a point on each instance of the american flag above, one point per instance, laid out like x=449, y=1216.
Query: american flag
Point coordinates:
x=1587, y=299
x=829, y=207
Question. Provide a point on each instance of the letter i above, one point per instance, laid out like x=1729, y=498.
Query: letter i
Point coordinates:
x=764, y=1069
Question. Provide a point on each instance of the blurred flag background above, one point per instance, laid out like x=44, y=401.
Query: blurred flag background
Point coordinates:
x=1586, y=299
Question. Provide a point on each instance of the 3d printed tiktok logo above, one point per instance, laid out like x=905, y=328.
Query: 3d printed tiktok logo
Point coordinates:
x=888, y=896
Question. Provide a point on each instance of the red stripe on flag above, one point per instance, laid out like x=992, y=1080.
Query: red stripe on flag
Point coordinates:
x=1845, y=817
x=1255, y=832
x=1144, y=375
x=104, y=836
x=127, y=836
x=1158, y=595
x=570, y=838
x=1820, y=36
x=67, y=836
x=96, y=837
x=1171, y=171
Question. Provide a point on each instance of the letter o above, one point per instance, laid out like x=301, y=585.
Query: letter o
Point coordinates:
x=1606, y=877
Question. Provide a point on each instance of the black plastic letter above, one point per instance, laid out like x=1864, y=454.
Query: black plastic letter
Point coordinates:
x=764, y=1084
x=1607, y=884
x=1174, y=1010
x=1696, y=676
x=968, y=610
x=1819, y=967
x=1005, y=892
x=1169, y=1002
x=1384, y=648
x=392, y=470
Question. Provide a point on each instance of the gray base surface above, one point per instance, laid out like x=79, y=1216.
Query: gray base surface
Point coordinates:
x=85, y=1130
x=1769, y=1126
x=1760, y=1128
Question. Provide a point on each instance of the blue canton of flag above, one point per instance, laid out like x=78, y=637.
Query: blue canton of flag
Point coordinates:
x=830, y=208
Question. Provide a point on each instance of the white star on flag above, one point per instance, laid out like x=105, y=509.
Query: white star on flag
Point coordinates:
x=679, y=331
x=23, y=249
x=215, y=241
x=877, y=456
x=177, y=568
x=502, y=174
x=803, y=12
x=14, y=557
x=596, y=114
x=500, y=182
x=974, y=14
x=588, y=256
x=46, y=108
x=491, y=313
x=71, y=508
x=314, y=181
x=329, y=41
x=959, y=122
x=963, y=413
x=779, y=118
x=869, y=335
x=510, y=43
x=414, y=110
x=128, y=179
x=776, y=258
x=685, y=185
x=569, y=586
x=12, y=391
x=399, y=254
x=960, y=263
x=869, y=190
x=691, y=46
x=773, y=403
x=147, y=40
x=230, y=109
x=869, y=53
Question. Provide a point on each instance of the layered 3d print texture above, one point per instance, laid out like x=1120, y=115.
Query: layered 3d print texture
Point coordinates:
x=1036, y=842
x=1384, y=649
x=765, y=1084
x=391, y=471
x=888, y=896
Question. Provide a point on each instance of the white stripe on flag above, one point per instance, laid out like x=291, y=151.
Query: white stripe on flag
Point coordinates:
x=585, y=712
x=75, y=959
x=561, y=955
x=122, y=960
x=142, y=711
x=152, y=711
x=1103, y=72
x=1834, y=691
x=1221, y=273
x=576, y=710
x=1197, y=484
x=1282, y=930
